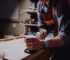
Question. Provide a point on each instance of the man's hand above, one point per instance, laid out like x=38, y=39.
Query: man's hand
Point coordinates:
x=33, y=43
x=41, y=34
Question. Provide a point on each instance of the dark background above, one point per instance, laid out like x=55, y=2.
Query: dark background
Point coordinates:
x=7, y=8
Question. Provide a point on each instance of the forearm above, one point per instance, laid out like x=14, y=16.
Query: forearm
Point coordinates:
x=53, y=42
x=56, y=42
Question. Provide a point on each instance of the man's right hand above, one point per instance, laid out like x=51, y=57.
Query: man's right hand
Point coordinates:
x=41, y=34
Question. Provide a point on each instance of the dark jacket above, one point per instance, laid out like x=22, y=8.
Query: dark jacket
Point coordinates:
x=63, y=52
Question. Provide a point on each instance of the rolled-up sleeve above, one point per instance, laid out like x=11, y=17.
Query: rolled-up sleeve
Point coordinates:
x=66, y=40
x=64, y=37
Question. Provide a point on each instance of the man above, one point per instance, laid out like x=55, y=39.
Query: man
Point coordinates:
x=45, y=20
x=60, y=43
x=41, y=6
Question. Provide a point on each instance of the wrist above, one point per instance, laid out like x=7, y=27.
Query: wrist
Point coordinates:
x=44, y=43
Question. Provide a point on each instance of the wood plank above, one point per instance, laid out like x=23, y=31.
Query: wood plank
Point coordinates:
x=43, y=54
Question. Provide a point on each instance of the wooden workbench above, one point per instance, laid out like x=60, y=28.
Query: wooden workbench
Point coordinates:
x=16, y=45
x=43, y=54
